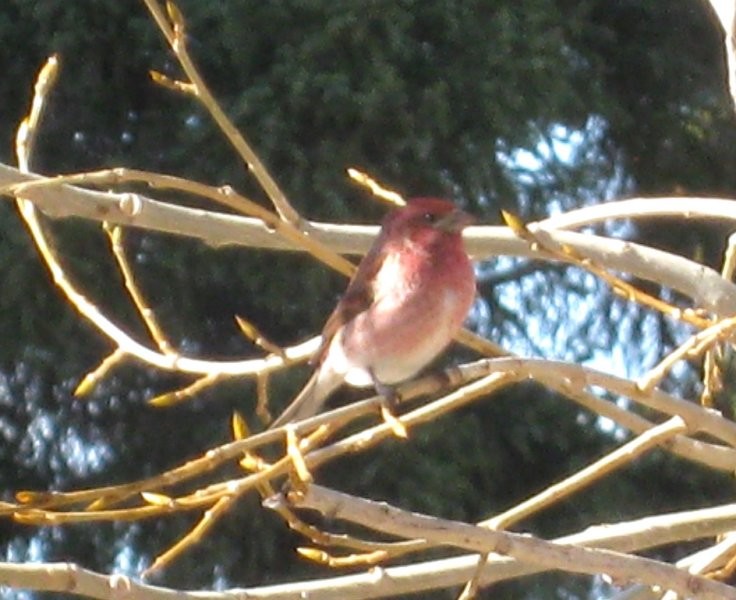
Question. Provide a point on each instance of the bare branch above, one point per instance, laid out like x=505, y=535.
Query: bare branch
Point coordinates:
x=388, y=519
x=704, y=285
x=173, y=30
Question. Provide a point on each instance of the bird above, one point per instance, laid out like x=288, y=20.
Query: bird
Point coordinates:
x=406, y=301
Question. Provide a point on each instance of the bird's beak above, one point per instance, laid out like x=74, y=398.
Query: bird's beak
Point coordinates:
x=455, y=221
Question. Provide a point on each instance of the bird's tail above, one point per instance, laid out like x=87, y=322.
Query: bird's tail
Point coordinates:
x=310, y=399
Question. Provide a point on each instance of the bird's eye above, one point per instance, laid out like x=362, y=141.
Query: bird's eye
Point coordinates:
x=429, y=217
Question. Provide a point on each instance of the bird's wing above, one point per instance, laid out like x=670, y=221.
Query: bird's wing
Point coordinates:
x=357, y=298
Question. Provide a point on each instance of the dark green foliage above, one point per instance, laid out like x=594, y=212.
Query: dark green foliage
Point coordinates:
x=431, y=97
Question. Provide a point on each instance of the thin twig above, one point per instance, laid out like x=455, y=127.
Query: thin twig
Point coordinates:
x=712, y=373
x=390, y=196
x=187, y=392
x=195, y=535
x=582, y=478
x=540, y=237
x=115, y=234
x=91, y=379
x=694, y=346
x=173, y=30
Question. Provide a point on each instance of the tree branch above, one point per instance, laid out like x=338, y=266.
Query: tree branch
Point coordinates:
x=549, y=555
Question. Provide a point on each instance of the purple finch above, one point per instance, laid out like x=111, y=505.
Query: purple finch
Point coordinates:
x=407, y=300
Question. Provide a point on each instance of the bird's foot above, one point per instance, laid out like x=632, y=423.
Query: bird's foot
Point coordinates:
x=391, y=397
x=390, y=400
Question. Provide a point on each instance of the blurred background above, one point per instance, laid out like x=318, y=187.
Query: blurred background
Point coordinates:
x=533, y=106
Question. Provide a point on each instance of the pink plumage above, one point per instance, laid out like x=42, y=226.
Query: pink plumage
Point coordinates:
x=407, y=300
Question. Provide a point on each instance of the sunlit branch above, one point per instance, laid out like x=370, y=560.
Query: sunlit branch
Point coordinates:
x=306, y=446
x=706, y=287
x=115, y=234
x=173, y=29
x=726, y=13
x=712, y=373
x=631, y=536
x=695, y=346
x=539, y=237
x=388, y=519
x=612, y=461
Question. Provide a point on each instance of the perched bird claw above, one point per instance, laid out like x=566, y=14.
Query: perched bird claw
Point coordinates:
x=398, y=428
x=389, y=393
x=390, y=400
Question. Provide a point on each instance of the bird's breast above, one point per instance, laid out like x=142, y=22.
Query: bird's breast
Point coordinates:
x=418, y=307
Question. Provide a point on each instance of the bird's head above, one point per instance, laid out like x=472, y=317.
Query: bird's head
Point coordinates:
x=428, y=216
